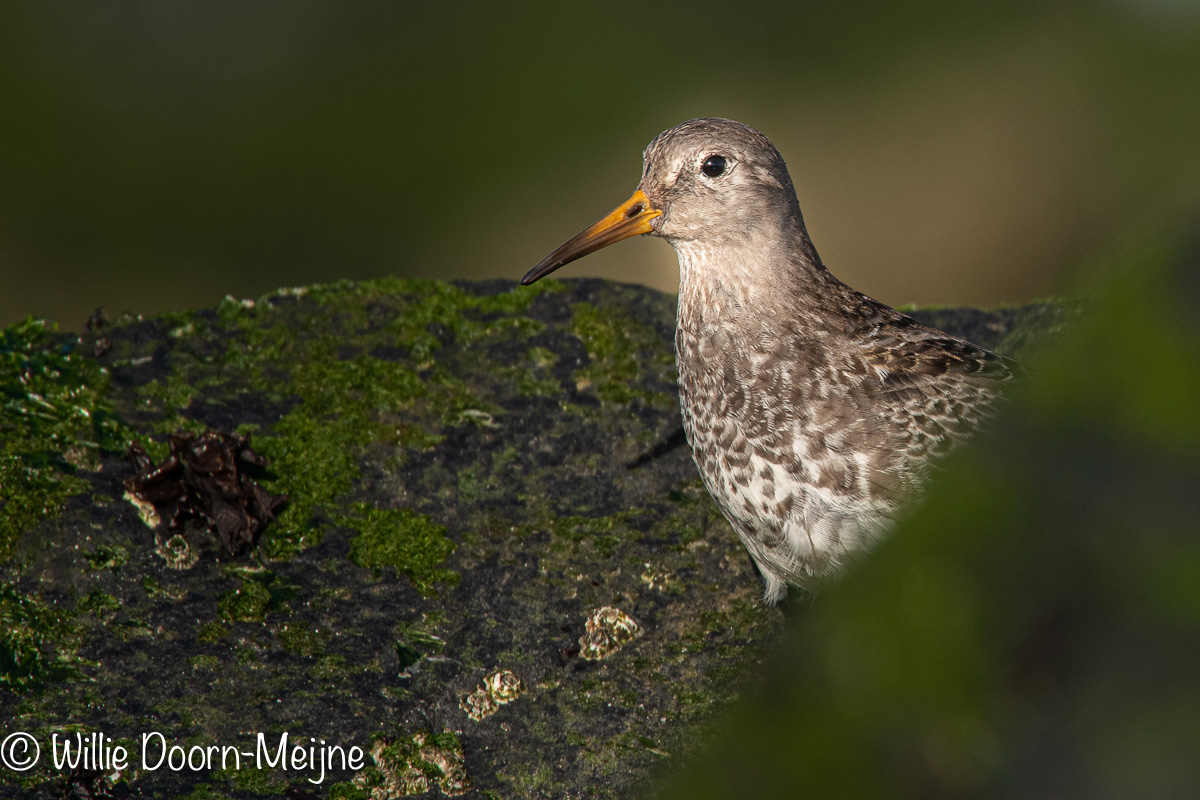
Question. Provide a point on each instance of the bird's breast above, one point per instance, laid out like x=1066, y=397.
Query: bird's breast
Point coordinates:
x=770, y=419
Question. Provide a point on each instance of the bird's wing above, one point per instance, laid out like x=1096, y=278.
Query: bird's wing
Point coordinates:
x=938, y=388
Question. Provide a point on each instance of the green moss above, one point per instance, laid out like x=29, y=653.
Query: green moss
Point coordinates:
x=541, y=357
x=99, y=603
x=603, y=533
x=106, y=557
x=205, y=661
x=329, y=668
x=415, y=437
x=261, y=593
x=211, y=633
x=303, y=641
x=247, y=603
x=53, y=416
x=445, y=301
x=34, y=488
x=348, y=791
x=315, y=448
x=529, y=384
x=533, y=377
x=317, y=460
x=259, y=781
x=469, y=486
x=614, y=342
x=35, y=641
x=441, y=308
x=166, y=396
x=409, y=542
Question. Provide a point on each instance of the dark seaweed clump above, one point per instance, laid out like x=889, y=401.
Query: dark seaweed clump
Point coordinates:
x=204, y=478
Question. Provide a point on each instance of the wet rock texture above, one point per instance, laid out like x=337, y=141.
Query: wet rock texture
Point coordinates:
x=472, y=470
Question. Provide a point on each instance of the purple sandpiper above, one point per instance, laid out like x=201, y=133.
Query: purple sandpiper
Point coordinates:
x=814, y=412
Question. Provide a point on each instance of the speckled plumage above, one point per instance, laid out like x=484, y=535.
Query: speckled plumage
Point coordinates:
x=813, y=411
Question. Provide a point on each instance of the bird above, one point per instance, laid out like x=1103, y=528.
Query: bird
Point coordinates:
x=814, y=412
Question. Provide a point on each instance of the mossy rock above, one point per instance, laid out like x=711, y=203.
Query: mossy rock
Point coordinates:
x=473, y=470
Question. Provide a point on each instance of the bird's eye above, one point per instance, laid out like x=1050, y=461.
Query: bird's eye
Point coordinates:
x=713, y=166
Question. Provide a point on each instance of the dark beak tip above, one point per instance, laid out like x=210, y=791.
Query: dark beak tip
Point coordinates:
x=536, y=274
x=544, y=267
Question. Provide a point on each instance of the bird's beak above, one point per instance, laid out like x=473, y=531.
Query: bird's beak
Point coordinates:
x=631, y=218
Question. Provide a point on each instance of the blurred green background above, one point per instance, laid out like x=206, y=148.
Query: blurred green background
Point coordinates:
x=162, y=155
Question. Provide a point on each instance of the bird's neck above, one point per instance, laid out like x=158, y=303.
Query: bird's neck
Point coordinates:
x=762, y=274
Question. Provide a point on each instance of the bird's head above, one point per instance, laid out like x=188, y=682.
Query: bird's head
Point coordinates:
x=713, y=181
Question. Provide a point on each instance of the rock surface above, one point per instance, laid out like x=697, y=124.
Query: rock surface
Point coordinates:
x=478, y=478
